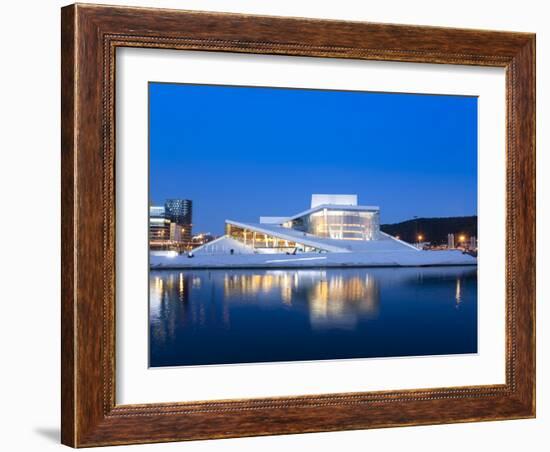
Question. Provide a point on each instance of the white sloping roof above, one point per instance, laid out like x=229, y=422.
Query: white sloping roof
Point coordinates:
x=223, y=244
x=334, y=207
x=281, y=220
x=273, y=220
x=385, y=243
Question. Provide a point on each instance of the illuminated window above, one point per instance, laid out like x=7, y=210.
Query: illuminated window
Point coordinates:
x=340, y=224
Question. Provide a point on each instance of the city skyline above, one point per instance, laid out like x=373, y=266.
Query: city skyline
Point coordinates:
x=245, y=152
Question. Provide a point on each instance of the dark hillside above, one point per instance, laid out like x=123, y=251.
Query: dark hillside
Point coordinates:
x=433, y=230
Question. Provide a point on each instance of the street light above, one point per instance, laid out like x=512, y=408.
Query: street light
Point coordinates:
x=420, y=237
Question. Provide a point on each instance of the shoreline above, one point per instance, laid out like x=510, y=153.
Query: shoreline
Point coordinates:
x=401, y=259
x=294, y=267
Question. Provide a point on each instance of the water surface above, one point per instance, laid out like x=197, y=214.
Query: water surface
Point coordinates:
x=241, y=316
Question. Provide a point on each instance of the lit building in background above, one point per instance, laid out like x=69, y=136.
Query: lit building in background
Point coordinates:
x=159, y=228
x=450, y=241
x=180, y=212
x=170, y=225
x=202, y=238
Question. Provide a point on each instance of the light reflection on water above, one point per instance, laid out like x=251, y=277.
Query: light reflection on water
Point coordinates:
x=233, y=316
x=331, y=301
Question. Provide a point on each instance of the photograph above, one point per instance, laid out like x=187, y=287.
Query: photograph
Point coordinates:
x=317, y=222
x=291, y=224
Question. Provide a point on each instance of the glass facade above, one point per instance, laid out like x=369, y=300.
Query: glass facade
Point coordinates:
x=180, y=211
x=264, y=242
x=339, y=224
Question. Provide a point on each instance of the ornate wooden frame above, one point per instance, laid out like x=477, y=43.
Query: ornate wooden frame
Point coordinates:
x=90, y=35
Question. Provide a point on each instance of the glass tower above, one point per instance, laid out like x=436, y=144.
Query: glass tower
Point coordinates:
x=180, y=212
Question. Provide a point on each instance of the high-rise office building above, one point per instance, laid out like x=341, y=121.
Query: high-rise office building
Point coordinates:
x=180, y=212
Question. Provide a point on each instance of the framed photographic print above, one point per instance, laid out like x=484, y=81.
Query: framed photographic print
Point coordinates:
x=281, y=225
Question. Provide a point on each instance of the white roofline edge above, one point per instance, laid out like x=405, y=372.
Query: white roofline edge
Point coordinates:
x=305, y=240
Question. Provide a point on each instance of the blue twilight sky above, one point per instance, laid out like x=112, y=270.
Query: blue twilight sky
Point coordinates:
x=242, y=152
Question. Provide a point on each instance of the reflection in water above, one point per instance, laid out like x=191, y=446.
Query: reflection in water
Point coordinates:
x=331, y=301
x=339, y=302
x=230, y=316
